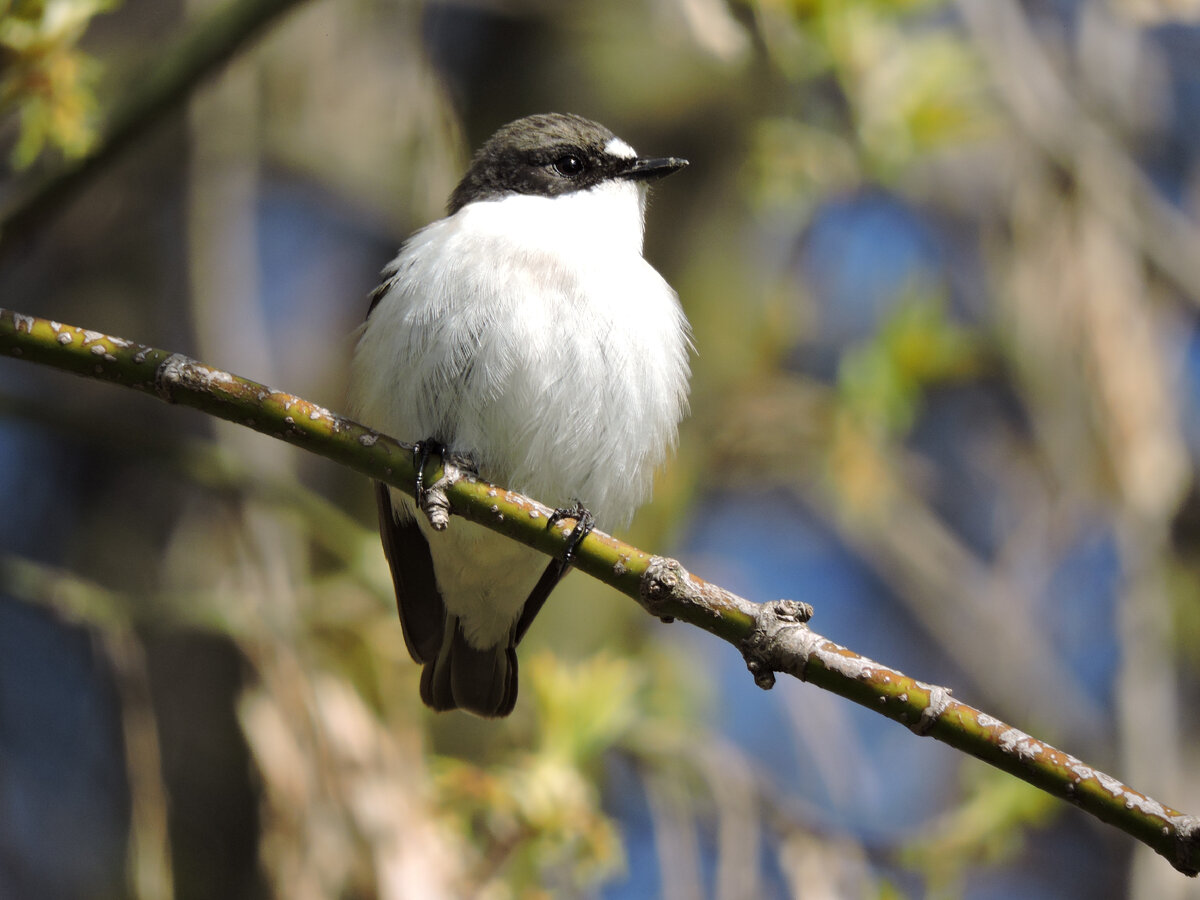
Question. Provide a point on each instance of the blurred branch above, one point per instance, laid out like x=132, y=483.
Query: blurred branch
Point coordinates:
x=866, y=485
x=192, y=58
x=773, y=637
x=107, y=614
x=914, y=552
x=1043, y=106
x=215, y=468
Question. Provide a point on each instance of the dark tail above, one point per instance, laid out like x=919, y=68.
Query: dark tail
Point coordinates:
x=483, y=682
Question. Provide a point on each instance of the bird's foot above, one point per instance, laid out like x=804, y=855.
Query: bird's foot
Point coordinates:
x=422, y=450
x=432, y=500
x=585, y=522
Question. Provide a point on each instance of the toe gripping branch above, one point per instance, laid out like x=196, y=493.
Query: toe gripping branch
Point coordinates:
x=432, y=500
x=422, y=450
x=585, y=522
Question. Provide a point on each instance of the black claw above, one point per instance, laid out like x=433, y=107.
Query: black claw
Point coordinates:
x=584, y=523
x=422, y=450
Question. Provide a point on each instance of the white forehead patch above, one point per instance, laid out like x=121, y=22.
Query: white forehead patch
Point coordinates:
x=617, y=147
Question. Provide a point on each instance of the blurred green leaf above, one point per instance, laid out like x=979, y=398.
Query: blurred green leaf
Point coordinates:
x=792, y=163
x=986, y=828
x=905, y=88
x=583, y=708
x=46, y=81
x=883, y=380
x=536, y=816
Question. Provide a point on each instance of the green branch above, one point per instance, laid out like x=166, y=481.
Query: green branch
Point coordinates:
x=202, y=50
x=772, y=637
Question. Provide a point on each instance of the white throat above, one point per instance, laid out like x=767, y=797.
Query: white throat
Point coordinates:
x=607, y=218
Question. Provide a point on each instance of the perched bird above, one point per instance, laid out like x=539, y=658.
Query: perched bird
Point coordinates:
x=526, y=332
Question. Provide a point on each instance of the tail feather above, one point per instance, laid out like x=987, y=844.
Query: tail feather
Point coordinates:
x=481, y=681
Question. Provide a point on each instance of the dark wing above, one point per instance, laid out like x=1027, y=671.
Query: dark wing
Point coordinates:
x=422, y=612
x=456, y=675
x=389, y=278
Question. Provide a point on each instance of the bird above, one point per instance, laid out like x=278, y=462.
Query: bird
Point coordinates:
x=525, y=333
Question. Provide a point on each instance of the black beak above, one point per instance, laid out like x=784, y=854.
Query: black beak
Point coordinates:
x=653, y=169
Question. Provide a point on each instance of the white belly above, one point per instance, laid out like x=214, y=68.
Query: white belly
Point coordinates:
x=563, y=373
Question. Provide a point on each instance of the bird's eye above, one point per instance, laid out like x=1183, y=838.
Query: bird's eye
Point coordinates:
x=568, y=166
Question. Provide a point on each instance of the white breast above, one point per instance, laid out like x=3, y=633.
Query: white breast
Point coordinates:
x=531, y=332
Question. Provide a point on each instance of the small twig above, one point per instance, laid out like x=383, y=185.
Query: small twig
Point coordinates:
x=79, y=601
x=773, y=637
x=1043, y=106
x=780, y=643
x=181, y=67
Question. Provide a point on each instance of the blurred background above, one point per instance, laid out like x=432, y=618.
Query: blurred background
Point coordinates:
x=942, y=262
